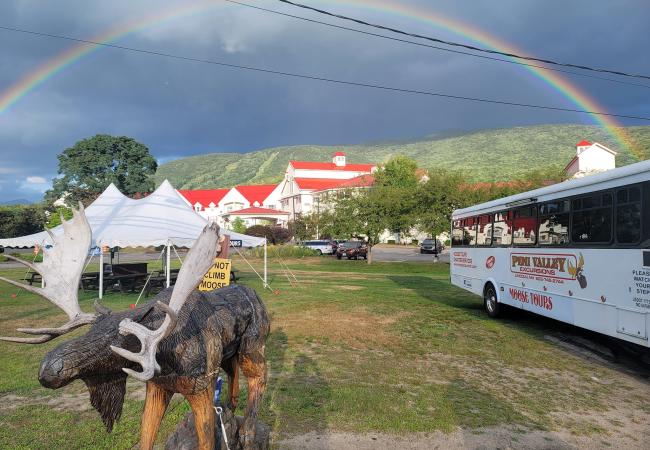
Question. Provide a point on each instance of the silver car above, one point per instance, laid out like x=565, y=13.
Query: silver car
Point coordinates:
x=323, y=247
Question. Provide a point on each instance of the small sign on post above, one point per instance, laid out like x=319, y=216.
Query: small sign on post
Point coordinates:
x=236, y=243
x=217, y=277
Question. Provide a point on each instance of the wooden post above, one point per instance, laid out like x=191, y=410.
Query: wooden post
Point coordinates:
x=225, y=247
x=169, y=270
x=101, y=272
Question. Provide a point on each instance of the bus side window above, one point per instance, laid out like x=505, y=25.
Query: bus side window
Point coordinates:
x=457, y=234
x=554, y=223
x=502, y=228
x=525, y=226
x=484, y=233
x=592, y=219
x=469, y=231
x=628, y=215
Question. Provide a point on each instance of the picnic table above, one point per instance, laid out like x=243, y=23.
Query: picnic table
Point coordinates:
x=32, y=277
x=127, y=281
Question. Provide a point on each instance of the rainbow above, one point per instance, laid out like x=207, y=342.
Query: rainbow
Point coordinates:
x=571, y=92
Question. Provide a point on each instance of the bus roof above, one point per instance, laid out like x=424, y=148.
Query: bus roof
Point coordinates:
x=616, y=177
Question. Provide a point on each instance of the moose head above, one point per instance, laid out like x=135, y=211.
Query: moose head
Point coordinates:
x=116, y=342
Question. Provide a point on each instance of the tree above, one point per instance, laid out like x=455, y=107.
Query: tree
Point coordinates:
x=54, y=217
x=21, y=220
x=395, y=194
x=398, y=172
x=87, y=168
x=438, y=197
x=238, y=225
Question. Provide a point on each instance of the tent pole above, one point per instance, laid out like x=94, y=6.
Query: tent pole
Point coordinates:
x=101, y=272
x=169, y=254
x=265, y=273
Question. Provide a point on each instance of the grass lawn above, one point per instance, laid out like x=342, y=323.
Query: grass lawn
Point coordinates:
x=390, y=348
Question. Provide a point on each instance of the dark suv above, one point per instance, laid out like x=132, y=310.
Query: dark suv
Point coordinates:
x=427, y=246
x=352, y=250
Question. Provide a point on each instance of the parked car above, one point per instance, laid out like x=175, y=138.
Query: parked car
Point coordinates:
x=352, y=250
x=323, y=246
x=335, y=245
x=427, y=246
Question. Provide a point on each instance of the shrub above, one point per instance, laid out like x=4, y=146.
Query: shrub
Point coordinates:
x=283, y=251
x=390, y=241
x=281, y=235
x=260, y=231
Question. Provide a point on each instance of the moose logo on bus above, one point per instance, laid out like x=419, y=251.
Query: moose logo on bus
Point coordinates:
x=578, y=272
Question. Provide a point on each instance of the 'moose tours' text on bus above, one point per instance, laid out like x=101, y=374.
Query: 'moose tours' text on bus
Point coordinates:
x=577, y=251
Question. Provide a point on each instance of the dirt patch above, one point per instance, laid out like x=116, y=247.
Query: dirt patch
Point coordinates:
x=355, y=328
x=484, y=438
x=65, y=402
x=347, y=287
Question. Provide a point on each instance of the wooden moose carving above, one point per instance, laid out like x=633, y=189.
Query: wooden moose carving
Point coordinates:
x=181, y=339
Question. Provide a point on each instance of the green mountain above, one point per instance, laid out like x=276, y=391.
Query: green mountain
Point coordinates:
x=488, y=155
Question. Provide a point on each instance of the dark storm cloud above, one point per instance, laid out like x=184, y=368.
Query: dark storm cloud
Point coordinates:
x=182, y=108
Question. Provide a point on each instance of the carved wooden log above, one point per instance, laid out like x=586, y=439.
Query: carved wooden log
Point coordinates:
x=185, y=438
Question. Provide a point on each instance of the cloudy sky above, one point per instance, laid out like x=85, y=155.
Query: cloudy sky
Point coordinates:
x=180, y=108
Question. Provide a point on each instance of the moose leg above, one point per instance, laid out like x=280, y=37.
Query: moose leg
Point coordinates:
x=204, y=420
x=232, y=369
x=254, y=368
x=154, y=409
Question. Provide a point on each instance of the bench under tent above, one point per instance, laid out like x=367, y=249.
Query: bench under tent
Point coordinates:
x=159, y=219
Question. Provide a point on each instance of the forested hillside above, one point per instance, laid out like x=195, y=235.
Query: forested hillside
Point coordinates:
x=488, y=155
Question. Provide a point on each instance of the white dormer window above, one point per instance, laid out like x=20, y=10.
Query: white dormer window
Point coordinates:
x=197, y=207
x=211, y=205
x=256, y=203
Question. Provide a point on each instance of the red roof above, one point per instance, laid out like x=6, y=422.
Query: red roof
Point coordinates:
x=318, y=184
x=583, y=143
x=309, y=165
x=339, y=154
x=257, y=210
x=203, y=196
x=256, y=193
x=365, y=180
x=360, y=181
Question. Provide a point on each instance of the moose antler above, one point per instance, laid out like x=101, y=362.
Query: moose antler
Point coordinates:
x=61, y=272
x=199, y=259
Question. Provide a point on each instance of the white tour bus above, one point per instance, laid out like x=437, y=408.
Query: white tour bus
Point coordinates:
x=577, y=251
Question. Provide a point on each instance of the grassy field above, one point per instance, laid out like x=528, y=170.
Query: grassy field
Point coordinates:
x=354, y=348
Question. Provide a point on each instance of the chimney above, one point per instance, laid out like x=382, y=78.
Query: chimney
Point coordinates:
x=339, y=159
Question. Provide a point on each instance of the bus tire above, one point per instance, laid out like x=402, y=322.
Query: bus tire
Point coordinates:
x=320, y=252
x=490, y=303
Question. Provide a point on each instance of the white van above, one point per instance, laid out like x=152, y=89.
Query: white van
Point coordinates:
x=323, y=247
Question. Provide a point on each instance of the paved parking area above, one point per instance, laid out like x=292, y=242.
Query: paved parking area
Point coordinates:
x=396, y=253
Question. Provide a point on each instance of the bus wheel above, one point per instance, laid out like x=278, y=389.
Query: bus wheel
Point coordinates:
x=490, y=303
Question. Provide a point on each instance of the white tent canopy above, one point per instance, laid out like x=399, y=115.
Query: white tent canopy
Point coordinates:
x=162, y=218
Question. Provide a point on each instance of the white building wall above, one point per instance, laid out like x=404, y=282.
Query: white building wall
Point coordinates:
x=273, y=200
x=233, y=201
x=596, y=159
